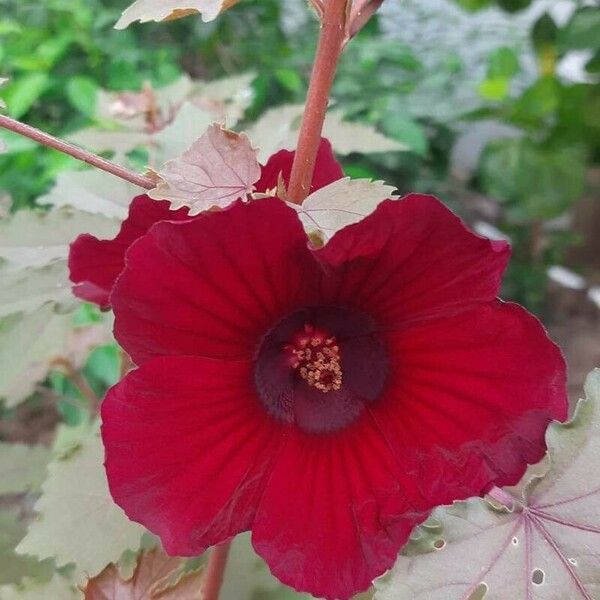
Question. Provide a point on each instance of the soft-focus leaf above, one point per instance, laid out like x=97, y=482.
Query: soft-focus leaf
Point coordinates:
x=24, y=91
x=278, y=128
x=189, y=124
x=35, y=238
x=78, y=522
x=166, y=10
x=218, y=168
x=583, y=30
x=3, y=80
x=22, y=467
x=341, y=203
x=547, y=546
x=28, y=289
x=83, y=93
x=58, y=588
x=156, y=577
x=39, y=337
x=347, y=137
x=92, y=191
x=538, y=182
x=12, y=566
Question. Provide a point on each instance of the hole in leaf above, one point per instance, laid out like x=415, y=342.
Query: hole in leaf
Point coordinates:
x=479, y=593
x=538, y=576
x=439, y=544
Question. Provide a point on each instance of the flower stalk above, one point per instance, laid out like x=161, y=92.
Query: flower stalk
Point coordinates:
x=215, y=570
x=331, y=43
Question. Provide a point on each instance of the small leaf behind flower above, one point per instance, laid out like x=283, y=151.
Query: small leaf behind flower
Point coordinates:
x=547, y=546
x=167, y=10
x=341, y=203
x=156, y=577
x=219, y=167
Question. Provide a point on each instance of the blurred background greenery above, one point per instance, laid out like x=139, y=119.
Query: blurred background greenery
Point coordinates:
x=497, y=100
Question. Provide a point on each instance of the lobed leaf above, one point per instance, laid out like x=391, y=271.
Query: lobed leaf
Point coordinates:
x=341, y=203
x=542, y=543
x=167, y=10
x=278, y=128
x=219, y=167
x=22, y=467
x=78, y=522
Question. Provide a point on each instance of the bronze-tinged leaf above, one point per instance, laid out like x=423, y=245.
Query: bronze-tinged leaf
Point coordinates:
x=219, y=167
x=156, y=577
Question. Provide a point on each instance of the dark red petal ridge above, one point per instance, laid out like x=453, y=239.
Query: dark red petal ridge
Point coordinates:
x=327, y=169
x=95, y=264
x=188, y=447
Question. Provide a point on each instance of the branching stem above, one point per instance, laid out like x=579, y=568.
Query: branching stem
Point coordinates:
x=75, y=151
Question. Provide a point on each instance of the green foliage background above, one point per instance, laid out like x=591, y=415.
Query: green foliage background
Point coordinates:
x=59, y=53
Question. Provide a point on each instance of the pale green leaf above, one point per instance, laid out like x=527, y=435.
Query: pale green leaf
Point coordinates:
x=190, y=123
x=167, y=10
x=341, y=203
x=14, y=567
x=58, y=588
x=22, y=467
x=542, y=544
x=35, y=238
x=28, y=289
x=94, y=192
x=77, y=521
x=278, y=128
x=40, y=336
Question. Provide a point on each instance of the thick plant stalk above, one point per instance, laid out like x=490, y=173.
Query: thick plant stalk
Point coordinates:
x=331, y=43
x=75, y=151
x=215, y=569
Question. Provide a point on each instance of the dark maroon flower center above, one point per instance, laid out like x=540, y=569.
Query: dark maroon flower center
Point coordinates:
x=319, y=367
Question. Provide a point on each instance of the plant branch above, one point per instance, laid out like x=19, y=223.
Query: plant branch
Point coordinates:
x=79, y=381
x=75, y=151
x=331, y=43
x=215, y=569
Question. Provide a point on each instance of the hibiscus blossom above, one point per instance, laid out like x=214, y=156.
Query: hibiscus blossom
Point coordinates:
x=325, y=399
x=95, y=264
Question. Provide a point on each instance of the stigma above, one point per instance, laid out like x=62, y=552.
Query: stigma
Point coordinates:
x=315, y=355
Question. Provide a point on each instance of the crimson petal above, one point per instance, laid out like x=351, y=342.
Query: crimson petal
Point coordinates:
x=327, y=169
x=95, y=264
x=335, y=511
x=188, y=447
x=470, y=398
x=212, y=286
x=412, y=259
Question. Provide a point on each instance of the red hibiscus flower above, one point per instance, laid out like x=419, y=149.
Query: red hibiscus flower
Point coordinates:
x=95, y=264
x=325, y=399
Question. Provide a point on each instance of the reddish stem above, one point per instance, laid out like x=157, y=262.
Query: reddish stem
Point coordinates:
x=215, y=569
x=79, y=153
x=504, y=498
x=331, y=43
